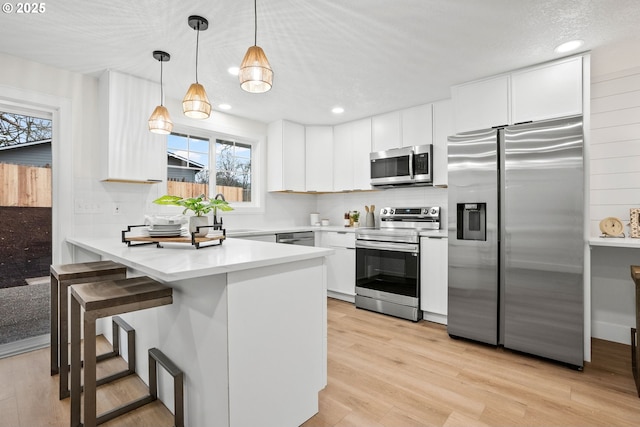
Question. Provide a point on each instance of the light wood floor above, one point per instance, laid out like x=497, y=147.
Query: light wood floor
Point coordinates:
x=29, y=394
x=389, y=372
x=384, y=371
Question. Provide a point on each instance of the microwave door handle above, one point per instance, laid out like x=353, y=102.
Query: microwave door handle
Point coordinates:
x=411, y=164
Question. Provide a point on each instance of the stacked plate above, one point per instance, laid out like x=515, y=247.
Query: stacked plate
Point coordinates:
x=165, y=230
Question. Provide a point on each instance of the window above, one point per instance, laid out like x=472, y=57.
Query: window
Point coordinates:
x=189, y=174
x=233, y=170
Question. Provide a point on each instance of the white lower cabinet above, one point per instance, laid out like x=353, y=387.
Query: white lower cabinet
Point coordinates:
x=434, y=278
x=341, y=266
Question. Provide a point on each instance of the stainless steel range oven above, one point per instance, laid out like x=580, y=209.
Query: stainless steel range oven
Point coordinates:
x=388, y=261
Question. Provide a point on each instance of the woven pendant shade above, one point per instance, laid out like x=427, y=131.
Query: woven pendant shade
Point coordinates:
x=160, y=122
x=195, y=103
x=255, y=73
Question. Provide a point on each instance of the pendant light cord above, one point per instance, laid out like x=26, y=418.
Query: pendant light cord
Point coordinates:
x=255, y=22
x=161, y=86
x=197, y=49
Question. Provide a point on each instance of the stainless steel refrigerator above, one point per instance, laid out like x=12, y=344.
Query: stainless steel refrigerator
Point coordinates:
x=516, y=238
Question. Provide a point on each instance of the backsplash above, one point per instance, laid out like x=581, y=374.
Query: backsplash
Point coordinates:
x=333, y=206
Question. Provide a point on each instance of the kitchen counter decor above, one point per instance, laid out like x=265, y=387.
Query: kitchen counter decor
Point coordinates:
x=214, y=237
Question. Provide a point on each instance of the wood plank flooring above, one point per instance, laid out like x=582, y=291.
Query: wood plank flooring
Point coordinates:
x=29, y=394
x=387, y=372
x=390, y=372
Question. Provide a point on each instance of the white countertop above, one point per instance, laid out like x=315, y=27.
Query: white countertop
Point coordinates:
x=245, y=232
x=616, y=242
x=182, y=261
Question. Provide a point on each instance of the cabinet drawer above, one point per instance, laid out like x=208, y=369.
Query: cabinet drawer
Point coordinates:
x=340, y=239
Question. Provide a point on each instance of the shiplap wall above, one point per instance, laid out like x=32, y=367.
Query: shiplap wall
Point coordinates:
x=615, y=146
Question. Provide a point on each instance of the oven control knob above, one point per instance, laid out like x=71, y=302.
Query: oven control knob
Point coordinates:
x=384, y=211
x=434, y=211
x=392, y=211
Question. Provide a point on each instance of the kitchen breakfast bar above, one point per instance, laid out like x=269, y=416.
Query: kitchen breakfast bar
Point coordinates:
x=247, y=326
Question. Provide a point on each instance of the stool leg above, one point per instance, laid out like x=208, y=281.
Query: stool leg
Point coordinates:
x=75, y=363
x=54, y=326
x=89, y=371
x=63, y=290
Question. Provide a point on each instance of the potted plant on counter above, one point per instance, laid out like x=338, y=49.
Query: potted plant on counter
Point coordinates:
x=200, y=206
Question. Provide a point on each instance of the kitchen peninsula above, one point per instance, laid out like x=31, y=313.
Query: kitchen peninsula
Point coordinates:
x=247, y=326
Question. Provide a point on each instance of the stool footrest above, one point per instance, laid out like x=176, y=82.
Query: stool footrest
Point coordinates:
x=123, y=409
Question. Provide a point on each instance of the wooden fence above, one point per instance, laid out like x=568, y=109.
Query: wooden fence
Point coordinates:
x=25, y=186
x=191, y=189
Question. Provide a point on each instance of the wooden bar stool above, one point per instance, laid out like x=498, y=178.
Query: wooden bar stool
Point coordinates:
x=62, y=276
x=101, y=299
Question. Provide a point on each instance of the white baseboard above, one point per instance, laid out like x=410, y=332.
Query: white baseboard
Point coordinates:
x=611, y=332
x=433, y=317
x=341, y=296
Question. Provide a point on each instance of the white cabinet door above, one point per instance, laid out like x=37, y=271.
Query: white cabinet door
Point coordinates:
x=548, y=91
x=341, y=273
x=442, y=129
x=285, y=156
x=434, y=278
x=360, y=156
x=481, y=105
x=386, y=131
x=417, y=125
x=351, y=149
x=132, y=153
x=343, y=157
x=319, y=158
x=341, y=266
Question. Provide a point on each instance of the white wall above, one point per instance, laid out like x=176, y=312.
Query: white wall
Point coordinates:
x=615, y=183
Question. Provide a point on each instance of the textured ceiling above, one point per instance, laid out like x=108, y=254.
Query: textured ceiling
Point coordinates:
x=369, y=56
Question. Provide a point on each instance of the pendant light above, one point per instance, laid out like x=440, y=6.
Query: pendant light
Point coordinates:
x=195, y=103
x=160, y=122
x=255, y=73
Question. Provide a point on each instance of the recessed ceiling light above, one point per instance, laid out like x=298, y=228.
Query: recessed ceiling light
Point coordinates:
x=569, y=46
x=233, y=70
x=224, y=106
x=337, y=110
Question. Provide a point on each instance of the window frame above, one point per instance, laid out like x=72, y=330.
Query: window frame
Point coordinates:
x=258, y=179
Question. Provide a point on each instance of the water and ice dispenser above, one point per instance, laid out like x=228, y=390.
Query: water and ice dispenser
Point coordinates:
x=472, y=221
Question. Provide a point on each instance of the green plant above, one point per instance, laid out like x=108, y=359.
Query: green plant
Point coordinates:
x=355, y=216
x=199, y=205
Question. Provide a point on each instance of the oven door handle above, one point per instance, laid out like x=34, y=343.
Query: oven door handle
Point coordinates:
x=387, y=246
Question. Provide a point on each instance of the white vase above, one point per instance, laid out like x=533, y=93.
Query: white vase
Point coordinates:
x=198, y=221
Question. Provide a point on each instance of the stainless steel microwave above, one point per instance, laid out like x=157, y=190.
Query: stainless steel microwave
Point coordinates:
x=402, y=166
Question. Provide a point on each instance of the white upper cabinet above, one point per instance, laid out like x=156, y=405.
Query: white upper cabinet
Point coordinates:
x=351, y=148
x=417, y=125
x=547, y=91
x=285, y=156
x=442, y=129
x=386, y=131
x=343, y=157
x=361, y=150
x=319, y=158
x=481, y=104
x=131, y=152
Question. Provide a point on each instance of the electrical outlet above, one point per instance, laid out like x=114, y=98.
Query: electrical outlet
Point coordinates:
x=116, y=209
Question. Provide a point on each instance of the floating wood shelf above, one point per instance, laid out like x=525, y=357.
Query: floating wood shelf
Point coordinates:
x=194, y=240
